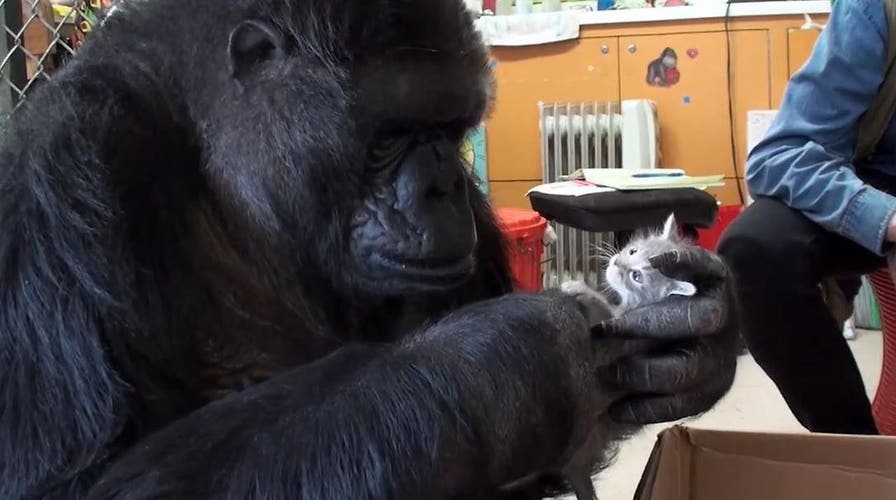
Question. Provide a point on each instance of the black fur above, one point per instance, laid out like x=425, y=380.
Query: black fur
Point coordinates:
x=190, y=208
x=441, y=399
x=171, y=235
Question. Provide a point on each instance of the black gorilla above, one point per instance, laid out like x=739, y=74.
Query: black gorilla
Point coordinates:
x=213, y=194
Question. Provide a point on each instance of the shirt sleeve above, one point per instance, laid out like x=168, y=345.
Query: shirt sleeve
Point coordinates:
x=806, y=159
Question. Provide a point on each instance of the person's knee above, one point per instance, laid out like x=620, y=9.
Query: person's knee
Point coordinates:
x=762, y=243
x=747, y=247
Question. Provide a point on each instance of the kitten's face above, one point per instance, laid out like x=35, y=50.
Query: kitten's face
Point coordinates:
x=635, y=280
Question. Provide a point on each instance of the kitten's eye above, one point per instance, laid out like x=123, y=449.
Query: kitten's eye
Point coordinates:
x=637, y=277
x=632, y=251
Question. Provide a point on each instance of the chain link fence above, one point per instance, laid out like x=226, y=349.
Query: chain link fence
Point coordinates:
x=40, y=36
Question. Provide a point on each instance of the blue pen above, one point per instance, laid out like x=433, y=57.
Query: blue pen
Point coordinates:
x=658, y=174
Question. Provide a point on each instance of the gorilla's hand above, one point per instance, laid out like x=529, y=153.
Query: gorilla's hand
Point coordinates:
x=697, y=366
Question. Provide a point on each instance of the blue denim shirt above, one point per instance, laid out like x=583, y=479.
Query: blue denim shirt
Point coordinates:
x=806, y=159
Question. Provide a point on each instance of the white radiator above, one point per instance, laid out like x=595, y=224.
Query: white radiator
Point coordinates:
x=591, y=135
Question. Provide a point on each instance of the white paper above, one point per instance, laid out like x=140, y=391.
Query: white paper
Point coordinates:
x=623, y=179
x=610, y=176
x=569, y=188
x=758, y=123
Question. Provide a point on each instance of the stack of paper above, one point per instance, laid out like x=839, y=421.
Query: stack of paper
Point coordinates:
x=653, y=178
x=601, y=180
x=569, y=188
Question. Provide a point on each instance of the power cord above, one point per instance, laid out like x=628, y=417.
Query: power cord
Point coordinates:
x=730, y=80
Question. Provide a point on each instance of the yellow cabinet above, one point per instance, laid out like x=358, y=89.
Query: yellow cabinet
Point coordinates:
x=511, y=194
x=580, y=70
x=691, y=88
x=799, y=46
x=611, y=62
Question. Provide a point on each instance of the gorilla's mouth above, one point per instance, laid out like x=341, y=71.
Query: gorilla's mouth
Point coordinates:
x=415, y=231
x=423, y=273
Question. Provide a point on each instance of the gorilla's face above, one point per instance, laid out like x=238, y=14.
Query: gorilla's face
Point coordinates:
x=373, y=139
x=415, y=228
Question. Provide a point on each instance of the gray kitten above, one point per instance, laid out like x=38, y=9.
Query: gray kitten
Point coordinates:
x=637, y=283
x=630, y=275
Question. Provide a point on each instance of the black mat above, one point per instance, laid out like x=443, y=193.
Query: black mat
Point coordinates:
x=619, y=211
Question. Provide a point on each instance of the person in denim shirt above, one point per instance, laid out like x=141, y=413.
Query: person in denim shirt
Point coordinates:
x=817, y=215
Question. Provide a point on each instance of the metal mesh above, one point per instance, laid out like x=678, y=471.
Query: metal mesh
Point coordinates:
x=40, y=37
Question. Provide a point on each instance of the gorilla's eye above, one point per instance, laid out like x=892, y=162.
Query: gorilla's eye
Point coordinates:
x=388, y=151
x=637, y=277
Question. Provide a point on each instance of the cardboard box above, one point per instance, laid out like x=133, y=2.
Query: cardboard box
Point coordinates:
x=695, y=464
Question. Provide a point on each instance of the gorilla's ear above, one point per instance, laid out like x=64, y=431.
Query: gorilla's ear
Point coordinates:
x=253, y=42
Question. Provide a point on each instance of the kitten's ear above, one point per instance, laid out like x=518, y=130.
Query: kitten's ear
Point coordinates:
x=670, y=228
x=682, y=288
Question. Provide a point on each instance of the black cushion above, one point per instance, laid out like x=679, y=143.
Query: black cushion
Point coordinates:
x=618, y=211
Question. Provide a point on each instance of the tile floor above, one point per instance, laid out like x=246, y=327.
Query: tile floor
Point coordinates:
x=752, y=405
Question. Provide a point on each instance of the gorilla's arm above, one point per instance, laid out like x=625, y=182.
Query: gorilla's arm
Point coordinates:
x=484, y=397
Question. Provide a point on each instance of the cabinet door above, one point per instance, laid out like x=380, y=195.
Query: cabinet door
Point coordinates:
x=799, y=46
x=579, y=70
x=690, y=87
x=511, y=194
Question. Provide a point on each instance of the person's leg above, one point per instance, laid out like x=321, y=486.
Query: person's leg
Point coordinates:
x=778, y=257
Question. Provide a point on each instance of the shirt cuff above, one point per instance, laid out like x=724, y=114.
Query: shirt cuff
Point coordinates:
x=867, y=217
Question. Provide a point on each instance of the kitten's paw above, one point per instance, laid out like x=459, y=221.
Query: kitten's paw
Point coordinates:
x=576, y=289
x=597, y=308
x=583, y=293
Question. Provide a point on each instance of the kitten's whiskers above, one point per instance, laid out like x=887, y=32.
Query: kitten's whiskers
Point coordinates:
x=605, y=251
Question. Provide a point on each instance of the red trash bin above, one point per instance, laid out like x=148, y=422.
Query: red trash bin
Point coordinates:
x=524, y=230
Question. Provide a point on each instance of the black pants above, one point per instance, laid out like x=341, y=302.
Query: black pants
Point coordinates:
x=779, y=257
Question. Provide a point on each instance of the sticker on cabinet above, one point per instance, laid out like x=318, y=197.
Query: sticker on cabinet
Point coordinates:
x=663, y=71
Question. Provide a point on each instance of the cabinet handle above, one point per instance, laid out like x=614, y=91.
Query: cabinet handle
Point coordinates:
x=605, y=49
x=632, y=48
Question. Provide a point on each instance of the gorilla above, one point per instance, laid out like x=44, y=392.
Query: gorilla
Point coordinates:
x=241, y=258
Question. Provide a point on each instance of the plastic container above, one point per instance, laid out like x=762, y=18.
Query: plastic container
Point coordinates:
x=524, y=230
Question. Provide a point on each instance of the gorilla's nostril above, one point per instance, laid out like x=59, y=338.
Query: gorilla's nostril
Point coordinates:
x=422, y=177
x=443, y=184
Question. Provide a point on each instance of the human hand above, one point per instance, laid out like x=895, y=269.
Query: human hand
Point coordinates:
x=697, y=366
x=891, y=230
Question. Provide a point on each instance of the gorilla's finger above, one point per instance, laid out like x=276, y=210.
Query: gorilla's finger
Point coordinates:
x=666, y=408
x=675, y=317
x=692, y=264
x=678, y=371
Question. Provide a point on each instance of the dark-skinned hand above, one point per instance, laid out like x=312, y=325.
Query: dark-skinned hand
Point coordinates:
x=696, y=366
